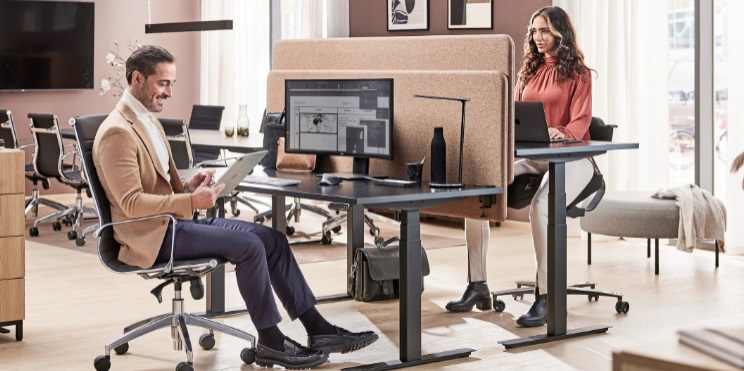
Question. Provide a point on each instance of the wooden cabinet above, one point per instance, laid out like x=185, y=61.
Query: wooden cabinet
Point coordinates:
x=12, y=243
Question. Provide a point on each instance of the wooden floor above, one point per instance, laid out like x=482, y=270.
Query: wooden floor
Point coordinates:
x=74, y=306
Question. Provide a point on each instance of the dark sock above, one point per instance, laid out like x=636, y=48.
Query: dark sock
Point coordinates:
x=271, y=337
x=315, y=323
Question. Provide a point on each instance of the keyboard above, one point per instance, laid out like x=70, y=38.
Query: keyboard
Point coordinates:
x=393, y=182
x=281, y=182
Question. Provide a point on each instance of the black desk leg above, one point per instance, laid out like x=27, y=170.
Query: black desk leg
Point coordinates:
x=557, y=266
x=354, y=234
x=410, y=302
x=216, y=280
x=557, y=281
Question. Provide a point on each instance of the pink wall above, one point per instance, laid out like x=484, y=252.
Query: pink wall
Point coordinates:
x=369, y=18
x=123, y=21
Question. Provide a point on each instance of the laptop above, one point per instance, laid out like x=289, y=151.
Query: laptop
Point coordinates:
x=530, y=124
x=239, y=170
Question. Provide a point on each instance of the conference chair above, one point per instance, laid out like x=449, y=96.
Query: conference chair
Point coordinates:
x=8, y=135
x=51, y=161
x=174, y=272
x=598, y=130
x=205, y=118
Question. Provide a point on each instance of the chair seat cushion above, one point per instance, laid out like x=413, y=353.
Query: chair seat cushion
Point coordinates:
x=633, y=214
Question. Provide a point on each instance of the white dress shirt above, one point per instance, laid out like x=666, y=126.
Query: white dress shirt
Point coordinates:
x=145, y=117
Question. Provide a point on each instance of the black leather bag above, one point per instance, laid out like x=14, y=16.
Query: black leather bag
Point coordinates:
x=375, y=273
x=520, y=192
x=274, y=128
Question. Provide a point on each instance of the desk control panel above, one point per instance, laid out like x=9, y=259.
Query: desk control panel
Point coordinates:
x=338, y=206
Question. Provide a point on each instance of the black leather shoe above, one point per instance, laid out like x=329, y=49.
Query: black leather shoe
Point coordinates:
x=476, y=294
x=294, y=356
x=537, y=315
x=342, y=341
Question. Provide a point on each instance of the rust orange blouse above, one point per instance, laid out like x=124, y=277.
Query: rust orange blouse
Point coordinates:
x=568, y=105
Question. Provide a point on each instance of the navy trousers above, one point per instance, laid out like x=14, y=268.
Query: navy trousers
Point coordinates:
x=262, y=258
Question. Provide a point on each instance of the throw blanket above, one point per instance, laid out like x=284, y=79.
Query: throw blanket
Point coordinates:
x=700, y=215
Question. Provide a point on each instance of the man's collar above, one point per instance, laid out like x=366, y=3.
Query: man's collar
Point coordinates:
x=135, y=105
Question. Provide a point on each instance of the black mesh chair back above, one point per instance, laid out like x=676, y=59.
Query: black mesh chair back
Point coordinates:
x=49, y=148
x=598, y=130
x=177, y=133
x=205, y=118
x=7, y=129
x=86, y=128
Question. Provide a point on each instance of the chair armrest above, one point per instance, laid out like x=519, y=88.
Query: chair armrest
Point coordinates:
x=169, y=267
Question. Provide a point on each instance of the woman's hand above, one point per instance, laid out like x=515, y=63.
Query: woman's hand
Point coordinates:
x=555, y=133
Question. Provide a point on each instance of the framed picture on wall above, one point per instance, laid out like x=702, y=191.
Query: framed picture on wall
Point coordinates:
x=469, y=14
x=407, y=15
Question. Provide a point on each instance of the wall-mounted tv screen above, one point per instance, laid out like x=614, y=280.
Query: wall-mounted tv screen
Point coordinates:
x=46, y=45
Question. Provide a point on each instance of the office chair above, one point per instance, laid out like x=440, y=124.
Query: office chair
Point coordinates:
x=8, y=134
x=334, y=224
x=598, y=130
x=49, y=162
x=173, y=272
x=205, y=118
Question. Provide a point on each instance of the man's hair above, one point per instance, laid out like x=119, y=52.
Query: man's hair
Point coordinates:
x=145, y=58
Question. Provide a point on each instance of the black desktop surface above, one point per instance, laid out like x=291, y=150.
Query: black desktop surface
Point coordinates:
x=361, y=192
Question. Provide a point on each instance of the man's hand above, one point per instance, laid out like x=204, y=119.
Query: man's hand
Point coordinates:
x=199, y=178
x=205, y=194
x=555, y=133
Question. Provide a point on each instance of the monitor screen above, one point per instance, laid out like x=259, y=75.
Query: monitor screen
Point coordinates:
x=340, y=117
x=46, y=45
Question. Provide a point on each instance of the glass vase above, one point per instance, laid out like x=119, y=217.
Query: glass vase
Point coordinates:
x=243, y=120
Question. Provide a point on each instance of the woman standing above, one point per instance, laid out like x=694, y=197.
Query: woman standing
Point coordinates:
x=553, y=72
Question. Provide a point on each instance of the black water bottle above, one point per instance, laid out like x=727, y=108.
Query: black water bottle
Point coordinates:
x=438, y=157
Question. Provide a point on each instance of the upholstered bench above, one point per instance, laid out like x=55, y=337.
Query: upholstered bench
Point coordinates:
x=635, y=215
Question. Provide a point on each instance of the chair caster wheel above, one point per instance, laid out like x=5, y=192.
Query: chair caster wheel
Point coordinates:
x=248, y=355
x=80, y=241
x=33, y=232
x=102, y=363
x=326, y=239
x=206, y=341
x=290, y=230
x=374, y=231
x=622, y=307
x=121, y=349
x=499, y=305
x=236, y=212
x=71, y=235
x=518, y=296
x=379, y=241
x=336, y=229
x=593, y=296
x=184, y=366
x=57, y=226
x=259, y=220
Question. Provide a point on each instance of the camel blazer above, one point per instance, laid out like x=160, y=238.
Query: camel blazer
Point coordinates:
x=135, y=184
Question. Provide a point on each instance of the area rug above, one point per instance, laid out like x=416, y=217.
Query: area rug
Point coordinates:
x=308, y=228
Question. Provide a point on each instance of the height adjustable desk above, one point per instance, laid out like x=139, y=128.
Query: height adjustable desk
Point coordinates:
x=358, y=195
x=557, y=155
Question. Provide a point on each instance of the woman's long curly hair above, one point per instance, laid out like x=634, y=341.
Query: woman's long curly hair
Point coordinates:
x=569, y=58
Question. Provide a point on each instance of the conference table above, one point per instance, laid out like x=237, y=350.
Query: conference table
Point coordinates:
x=557, y=155
x=217, y=139
x=363, y=194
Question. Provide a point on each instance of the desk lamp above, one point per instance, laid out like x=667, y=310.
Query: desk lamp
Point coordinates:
x=462, y=140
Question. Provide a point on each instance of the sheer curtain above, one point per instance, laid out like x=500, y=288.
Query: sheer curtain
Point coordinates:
x=626, y=42
x=234, y=64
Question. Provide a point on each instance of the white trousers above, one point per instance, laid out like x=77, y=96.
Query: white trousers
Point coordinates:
x=477, y=232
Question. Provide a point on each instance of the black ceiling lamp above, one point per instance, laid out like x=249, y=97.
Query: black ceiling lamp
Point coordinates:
x=224, y=24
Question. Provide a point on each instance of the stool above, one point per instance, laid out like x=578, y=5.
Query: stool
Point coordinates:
x=636, y=215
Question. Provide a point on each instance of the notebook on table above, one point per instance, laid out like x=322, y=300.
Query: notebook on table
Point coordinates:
x=530, y=124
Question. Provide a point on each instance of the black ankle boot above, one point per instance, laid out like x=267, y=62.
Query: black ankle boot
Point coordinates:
x=537, y=315
x=476, y=294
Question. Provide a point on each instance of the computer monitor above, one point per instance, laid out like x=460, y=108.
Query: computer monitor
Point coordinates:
x=342, y=117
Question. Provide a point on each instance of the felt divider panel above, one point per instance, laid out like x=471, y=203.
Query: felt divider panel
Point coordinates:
x=487, y=128
x=467, y=52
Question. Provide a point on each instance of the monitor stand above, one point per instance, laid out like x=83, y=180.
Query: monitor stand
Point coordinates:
x=360, y=170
